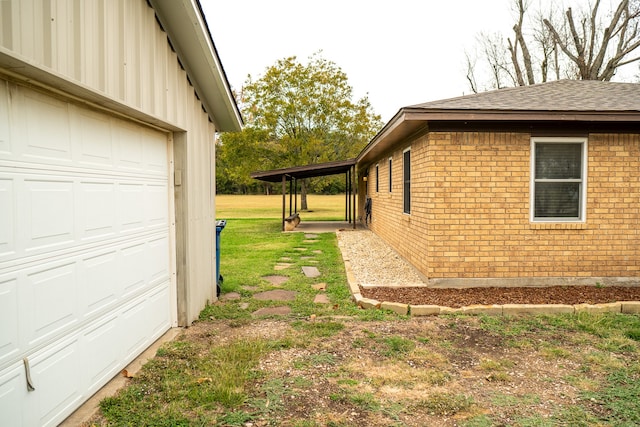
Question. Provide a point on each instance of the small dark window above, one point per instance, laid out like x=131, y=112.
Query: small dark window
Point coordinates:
x=406, y=181
x=390, y=174
x=377, y=179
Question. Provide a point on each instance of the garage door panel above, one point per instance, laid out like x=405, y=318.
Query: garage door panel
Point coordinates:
x=50, y=372
x=100, y=282
x=131, y=199
x=85, y=271
x=49, y=209
x=46, y=129
x=154, y=155
x=58, y=213
x=145, y=319
x=158, y=259
x=13, y=394
x=9, y=333
x=94, y=142
x=156, y=206
x=98, y=208
x=158, y=312
x=134, y=329
x=129, y=155
x=133, y=267
x=101, y=353
x=52, y=291
x=7, y=226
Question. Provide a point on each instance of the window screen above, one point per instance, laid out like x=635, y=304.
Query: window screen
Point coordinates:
x=558, y=180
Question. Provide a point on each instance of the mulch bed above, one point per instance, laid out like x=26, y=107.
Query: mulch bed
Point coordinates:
x=456, y=298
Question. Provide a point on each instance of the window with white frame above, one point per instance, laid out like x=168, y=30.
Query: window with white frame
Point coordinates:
x=390, y=174
x=406, y=181
x=558, y=188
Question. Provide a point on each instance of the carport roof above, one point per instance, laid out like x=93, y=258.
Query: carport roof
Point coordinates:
x=308, y=171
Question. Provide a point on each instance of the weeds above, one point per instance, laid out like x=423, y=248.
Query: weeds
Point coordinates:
x=446, y=404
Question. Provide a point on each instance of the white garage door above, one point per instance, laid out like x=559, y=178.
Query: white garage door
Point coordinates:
x=84, y=251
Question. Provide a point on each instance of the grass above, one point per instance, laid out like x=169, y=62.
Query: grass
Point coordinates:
x=324, y=363
x=321, y=207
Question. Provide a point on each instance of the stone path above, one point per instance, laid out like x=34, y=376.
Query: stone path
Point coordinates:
x=276, y=295
x=304, y=253
x=311, y=272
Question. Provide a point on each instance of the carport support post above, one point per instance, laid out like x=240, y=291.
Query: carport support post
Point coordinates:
x=290, y=195
x=346, y=195
x=352, y=173
x=295, y=195
x=284, y=197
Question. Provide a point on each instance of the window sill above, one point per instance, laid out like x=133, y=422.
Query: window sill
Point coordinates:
x=558, y=225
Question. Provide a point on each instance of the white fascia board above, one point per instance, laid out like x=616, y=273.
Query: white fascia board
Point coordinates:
x=187, y=30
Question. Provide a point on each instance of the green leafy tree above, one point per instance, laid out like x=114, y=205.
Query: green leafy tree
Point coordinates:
x=237, y=155
x=299, y=114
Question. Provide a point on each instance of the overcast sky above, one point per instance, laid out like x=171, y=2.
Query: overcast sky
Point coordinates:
x=398, y=52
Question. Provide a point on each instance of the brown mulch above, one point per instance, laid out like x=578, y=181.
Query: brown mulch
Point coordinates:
x=456, y=298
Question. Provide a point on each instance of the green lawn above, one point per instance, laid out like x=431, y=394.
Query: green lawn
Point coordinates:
x=335, y=365
x=321, y=207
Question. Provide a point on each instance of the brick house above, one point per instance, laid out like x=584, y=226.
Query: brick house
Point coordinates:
x=532, y=185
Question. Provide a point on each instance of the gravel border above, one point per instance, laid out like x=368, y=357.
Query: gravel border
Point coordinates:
x=377, y=263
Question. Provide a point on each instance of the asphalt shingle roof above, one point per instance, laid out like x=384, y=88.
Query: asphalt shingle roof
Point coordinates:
x=560, y=95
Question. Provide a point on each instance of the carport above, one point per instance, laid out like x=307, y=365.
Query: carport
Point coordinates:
x=292, y=175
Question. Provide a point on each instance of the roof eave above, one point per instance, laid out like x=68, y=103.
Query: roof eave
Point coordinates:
x=307, y=171
x=412, y=121
x=187, y=29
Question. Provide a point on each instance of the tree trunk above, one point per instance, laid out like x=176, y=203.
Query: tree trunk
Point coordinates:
x=303, y=195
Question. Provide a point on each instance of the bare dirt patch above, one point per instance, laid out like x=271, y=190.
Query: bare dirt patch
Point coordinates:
x=361, y=377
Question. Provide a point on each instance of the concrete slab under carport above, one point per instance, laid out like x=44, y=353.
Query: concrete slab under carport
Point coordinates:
x=316, y=227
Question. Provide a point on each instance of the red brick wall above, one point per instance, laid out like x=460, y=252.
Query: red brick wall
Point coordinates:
x=470, y=209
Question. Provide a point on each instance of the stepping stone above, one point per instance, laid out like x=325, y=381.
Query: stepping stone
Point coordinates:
x=230, y=296
x=311, y=271
x=317, y=251
x=276, y=280
x=276, y=295
x=306, y=257
x=321, y=299
x=282, y=266
x=310, y=236
x=320, y=286
x=250, y=288
x=300, y=249
x=286, y=258
x=309, y=241
x=270, y=311
x=244, y=306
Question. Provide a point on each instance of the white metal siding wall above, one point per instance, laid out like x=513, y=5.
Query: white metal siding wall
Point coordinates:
x=115, y=47
x=85, y=280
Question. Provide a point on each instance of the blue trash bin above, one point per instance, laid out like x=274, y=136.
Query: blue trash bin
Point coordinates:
x=220, y=224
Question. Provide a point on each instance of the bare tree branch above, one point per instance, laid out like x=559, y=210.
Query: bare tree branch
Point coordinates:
x=526, y=56
x=575, y=44
x=471, y=73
